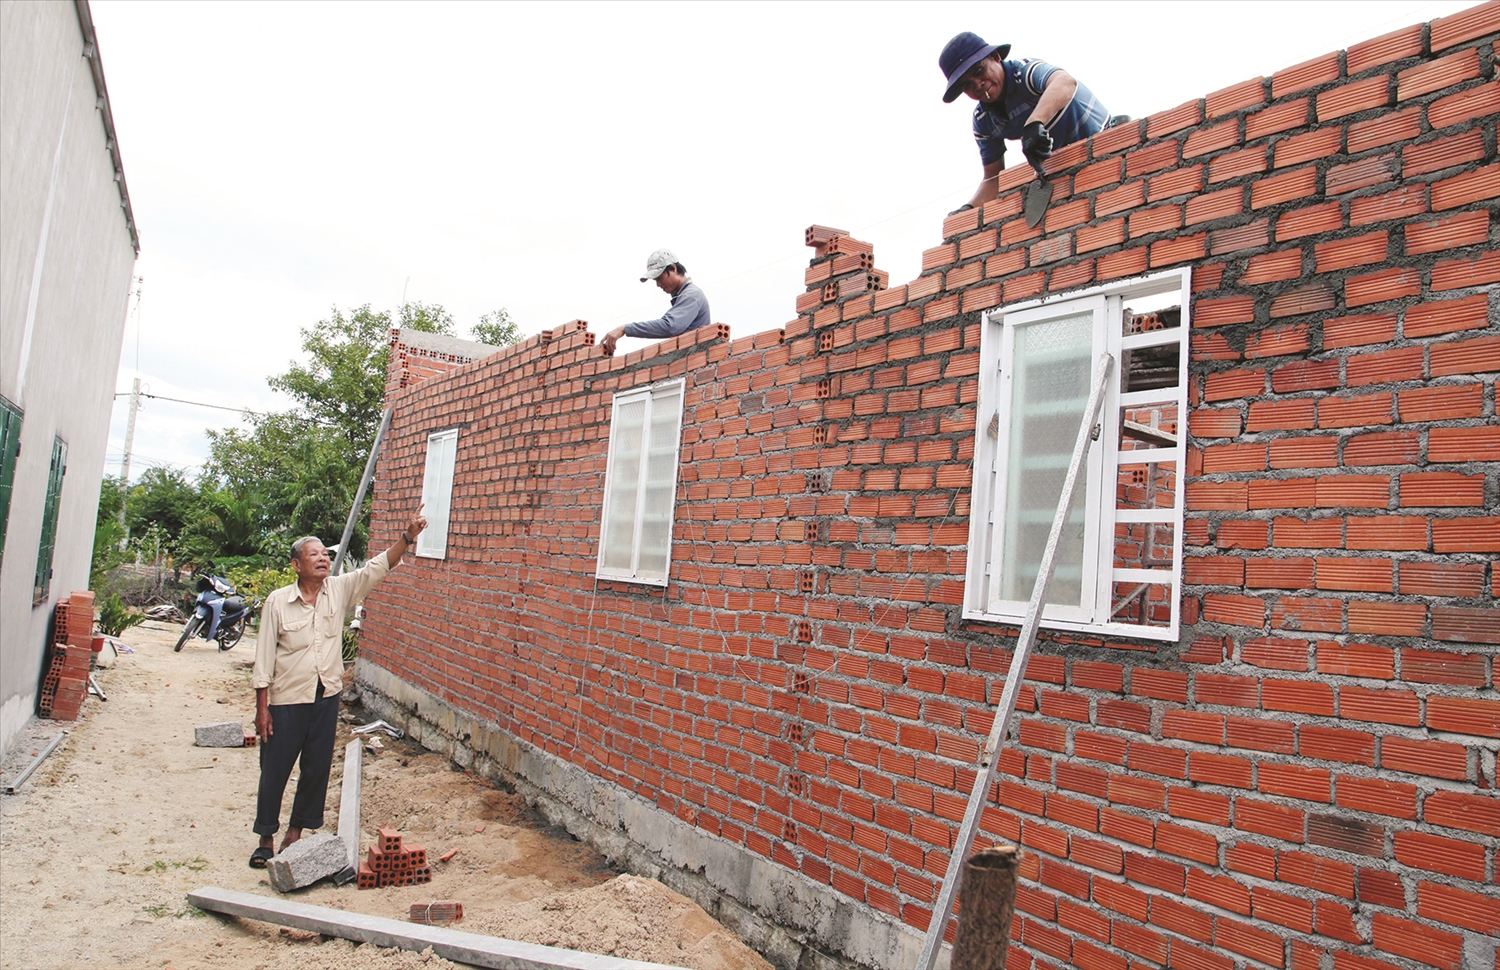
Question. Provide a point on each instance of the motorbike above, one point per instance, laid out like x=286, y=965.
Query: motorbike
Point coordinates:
x=219, y=613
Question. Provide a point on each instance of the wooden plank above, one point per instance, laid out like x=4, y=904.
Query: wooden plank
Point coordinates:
x=471, y=948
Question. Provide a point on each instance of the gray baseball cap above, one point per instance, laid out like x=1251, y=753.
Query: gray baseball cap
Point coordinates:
x=658, y=264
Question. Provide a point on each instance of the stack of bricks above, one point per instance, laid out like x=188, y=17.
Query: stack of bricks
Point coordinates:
x=842, y=267
x=389, y=864
x=1305, y=779
x=66, y=682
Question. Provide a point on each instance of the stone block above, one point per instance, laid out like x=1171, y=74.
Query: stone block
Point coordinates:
x=307, y=860
x=224, y=734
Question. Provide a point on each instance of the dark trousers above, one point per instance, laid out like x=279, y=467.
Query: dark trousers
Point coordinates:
x=302, y=731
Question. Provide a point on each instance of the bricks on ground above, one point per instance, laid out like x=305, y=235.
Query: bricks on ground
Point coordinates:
x=388, y=863
x=1305, y=778
x=66, y=681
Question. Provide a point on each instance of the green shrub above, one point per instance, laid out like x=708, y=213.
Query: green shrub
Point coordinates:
x=115, y=617
x=259, y=580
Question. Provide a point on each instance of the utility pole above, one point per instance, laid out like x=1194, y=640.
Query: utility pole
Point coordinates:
x=135, y=405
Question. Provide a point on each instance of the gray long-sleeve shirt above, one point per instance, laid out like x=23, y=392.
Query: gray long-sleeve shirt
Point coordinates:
x=689, y=311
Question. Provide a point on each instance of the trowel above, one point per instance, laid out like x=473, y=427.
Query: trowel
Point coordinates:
x=1037, y=197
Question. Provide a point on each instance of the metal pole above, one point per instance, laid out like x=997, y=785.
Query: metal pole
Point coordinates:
x=15, y=786
x=135, y=405
x=359, y=496
x=990, y=757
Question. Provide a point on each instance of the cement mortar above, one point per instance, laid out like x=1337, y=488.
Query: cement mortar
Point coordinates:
x=795, y=923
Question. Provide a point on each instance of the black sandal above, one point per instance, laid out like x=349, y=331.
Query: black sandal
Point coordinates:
x=260, y=857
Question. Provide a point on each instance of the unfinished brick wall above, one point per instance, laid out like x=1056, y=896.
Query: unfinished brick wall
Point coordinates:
x=1305, y=780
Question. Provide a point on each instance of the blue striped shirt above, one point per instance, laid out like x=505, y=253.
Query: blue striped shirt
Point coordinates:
x=1024, y=82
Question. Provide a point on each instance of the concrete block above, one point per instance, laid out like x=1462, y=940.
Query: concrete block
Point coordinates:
x=307, y=860
x=224, y=734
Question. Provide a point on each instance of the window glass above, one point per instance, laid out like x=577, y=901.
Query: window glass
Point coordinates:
x=640, y=484
x=437, y=493
x=42, y=587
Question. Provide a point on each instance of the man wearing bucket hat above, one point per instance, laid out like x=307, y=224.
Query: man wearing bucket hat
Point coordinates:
x=1028, y=100
x=689, y=309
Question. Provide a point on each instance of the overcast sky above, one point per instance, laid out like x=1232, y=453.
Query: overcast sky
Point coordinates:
x=286, y=158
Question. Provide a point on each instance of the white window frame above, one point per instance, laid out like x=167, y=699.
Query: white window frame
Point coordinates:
x=1101, y=473
x=437, y=493
x=655, y=412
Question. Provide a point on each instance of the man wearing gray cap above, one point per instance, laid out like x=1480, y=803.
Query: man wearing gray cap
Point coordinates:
x=1026, y=100
x=689, y=309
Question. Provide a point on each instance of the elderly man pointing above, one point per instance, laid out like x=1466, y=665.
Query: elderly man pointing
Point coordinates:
x=298, y=676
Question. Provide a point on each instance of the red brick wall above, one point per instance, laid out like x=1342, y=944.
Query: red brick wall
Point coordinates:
x=1309, y=771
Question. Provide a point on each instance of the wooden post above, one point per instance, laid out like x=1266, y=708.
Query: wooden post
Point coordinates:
x=984, y=914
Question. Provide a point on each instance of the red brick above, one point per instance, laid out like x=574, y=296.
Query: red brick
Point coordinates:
x=1299, y=183
x=1457, y=108
x=1477, y=813
x=1207, y=139
x=1441, y=579
x=1458, y=907
x=1400, y=364
x=1464, y=357
x=1356, y=660
x=1377, y=796
x=1441, y=403
x=1209, y=206
x=1346, y=99
x=1250, y=941
x=1437, y=853
x=1441, y=489
x=1446, y=316
x=1449, y=232
x=1463, y=444
x=1336, y=744
x=1359, y=331
x=1465, y=25
x=1347, y=834
x=1387, y=532
x=1388, y=284
x=1382, y=448
x=1379, y=706
x=1395, y=46
x=1319, y=70
x=1167, y=122
x=1437, y=759
x=1308, y=146
x=1475, y=716
x=1352, y=251
x=1279, y=117
x=1387, y=619
x=1312, y=220
x=1417, y=941
x=1386, y=128
x=1312, y=298
x=1402, y=203
x=1442, y=153
x=1476, y=186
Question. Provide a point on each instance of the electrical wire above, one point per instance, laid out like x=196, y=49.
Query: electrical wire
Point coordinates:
x=178, y=400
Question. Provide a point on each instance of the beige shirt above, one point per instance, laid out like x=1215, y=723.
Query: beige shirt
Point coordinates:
x=299, y=644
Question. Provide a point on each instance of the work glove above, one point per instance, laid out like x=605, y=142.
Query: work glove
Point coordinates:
x=1036, y=144
x=963, y=208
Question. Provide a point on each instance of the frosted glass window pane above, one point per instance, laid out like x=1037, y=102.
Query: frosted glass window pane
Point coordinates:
x=624, y=485
x=1049, y=392
x=437, y=493
x=661, y=484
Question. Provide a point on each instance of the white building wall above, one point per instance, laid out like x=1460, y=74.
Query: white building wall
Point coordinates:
x=66, y=258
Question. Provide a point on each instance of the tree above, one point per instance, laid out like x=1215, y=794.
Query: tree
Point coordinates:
x=161, y=497
x=497, y=329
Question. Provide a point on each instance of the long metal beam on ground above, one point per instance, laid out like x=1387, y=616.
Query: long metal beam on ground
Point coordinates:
x=471, y=948
x=990, y=759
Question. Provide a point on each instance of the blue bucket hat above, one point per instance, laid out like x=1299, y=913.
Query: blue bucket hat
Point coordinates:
x=962, y=53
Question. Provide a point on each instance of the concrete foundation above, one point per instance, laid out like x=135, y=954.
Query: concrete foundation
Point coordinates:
x=795, y=923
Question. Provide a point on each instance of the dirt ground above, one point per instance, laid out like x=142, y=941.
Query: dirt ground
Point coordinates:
x=101, y=845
